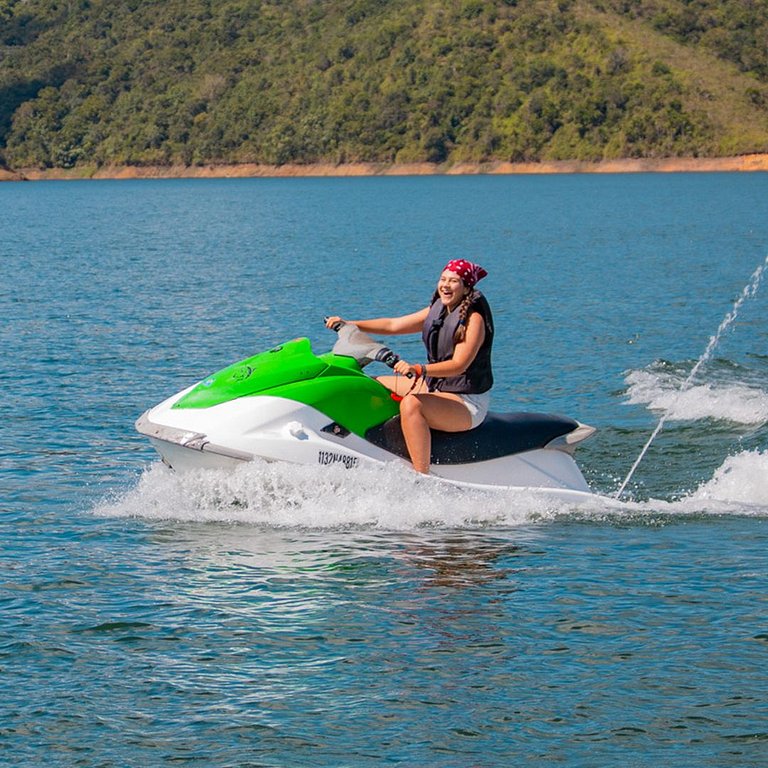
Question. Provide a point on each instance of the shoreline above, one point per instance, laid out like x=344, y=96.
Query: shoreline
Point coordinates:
x=742, y=163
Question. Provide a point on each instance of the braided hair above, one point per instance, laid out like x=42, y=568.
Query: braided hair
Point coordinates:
x=464, y=308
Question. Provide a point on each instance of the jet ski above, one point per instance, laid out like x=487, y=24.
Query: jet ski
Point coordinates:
x=289, y=404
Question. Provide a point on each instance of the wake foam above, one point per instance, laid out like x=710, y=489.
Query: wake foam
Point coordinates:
x=393, y=498
x=726, y=401
x=739, y=487
x=742, y=480
x=279, y=495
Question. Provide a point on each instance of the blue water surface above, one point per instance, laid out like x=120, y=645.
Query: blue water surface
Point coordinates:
x=284, y=618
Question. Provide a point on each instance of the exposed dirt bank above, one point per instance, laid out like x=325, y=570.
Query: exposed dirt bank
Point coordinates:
x=756, y=162
x=6, y=175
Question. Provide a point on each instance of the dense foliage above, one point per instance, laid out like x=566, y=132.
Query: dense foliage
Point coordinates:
x=736, y=31
x=275, y=81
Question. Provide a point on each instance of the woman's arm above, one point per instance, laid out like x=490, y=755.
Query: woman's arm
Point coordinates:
x=463, y=355
x=387, y=325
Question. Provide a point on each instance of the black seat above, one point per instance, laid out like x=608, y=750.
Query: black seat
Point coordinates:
x=501, y=434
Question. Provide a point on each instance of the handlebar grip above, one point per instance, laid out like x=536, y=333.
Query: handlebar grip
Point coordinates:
x=336, y=326
x=390, y=358
x=387, y=356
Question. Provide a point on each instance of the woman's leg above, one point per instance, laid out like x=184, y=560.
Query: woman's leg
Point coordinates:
x=421, y=410
x=436, y=410
x=402, y=385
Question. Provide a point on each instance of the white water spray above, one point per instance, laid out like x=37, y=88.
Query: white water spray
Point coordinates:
x=749, y=291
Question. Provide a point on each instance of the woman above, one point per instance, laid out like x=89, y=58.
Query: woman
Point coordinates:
x=451, y=391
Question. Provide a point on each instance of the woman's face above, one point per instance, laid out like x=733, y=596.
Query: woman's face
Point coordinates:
x=451, y=289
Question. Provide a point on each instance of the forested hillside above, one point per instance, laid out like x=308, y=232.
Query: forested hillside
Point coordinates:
x=158, y=82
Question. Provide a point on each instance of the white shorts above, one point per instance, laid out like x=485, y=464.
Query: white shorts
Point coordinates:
x=477, y=405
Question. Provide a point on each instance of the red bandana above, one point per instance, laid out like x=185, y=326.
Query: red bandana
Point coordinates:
x=469, y=273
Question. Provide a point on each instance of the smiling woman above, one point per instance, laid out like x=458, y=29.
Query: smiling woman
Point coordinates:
x=451, y=391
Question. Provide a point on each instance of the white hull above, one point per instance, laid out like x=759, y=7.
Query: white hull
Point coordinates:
x=277, y=429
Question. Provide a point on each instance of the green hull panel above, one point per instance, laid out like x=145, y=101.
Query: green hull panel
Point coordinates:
x=332, y=384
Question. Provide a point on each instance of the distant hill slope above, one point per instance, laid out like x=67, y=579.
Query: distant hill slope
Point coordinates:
x=157, y=82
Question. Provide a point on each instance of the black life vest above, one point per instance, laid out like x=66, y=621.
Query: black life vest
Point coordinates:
x=437, y=334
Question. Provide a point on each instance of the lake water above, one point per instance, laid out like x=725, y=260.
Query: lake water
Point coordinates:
x=284, y=616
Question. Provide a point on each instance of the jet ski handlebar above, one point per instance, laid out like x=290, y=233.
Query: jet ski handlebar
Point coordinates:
x=353, y=342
